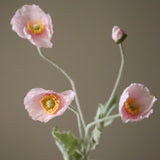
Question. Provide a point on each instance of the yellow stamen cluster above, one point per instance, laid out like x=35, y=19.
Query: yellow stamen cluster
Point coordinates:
x=50, y=103
x=131, y=106
x=35, y=26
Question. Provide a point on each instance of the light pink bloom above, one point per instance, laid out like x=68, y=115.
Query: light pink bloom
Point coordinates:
x=32, y=23
x=118, y=34
x=136, y=103
x=43, y=105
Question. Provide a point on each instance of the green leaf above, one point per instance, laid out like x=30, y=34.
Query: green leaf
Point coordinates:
x=97, y=131
x=113, y=102
x=95, y=137
x=68, y=145
x=101, y=113
x=109, y=121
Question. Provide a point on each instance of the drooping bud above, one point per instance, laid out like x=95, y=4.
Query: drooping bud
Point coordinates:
x=118, y=34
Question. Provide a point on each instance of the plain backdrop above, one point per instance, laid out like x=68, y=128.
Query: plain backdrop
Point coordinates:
x=82, y=45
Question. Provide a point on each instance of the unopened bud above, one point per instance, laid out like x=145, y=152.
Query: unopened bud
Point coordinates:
x=118, y=34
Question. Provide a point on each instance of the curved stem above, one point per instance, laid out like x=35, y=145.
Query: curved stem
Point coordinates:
x=118, y=77
x=73, y=109
x=71, y=82
x=99, y=121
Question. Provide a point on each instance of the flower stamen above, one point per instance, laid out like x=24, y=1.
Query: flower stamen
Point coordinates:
x=131, y=106
x=50, y=103
x=35, y=26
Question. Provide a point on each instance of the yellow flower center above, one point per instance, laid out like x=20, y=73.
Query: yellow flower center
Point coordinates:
x=131, y=106
x=35, y=26
x=50, y=103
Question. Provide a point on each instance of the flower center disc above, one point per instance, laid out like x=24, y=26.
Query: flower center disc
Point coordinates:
x=131, y=106
x=35, y=26
x=50, y=103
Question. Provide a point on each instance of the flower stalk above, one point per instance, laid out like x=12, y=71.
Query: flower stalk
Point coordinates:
x=72, y=85
x=42, y=105
x=99, y=121
x=118, y=78
x=73, y=109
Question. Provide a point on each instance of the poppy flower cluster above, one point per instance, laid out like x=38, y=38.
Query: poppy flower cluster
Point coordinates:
x=32, y=23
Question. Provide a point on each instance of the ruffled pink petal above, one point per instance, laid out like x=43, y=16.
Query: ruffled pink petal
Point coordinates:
x=40, y=40
x=143, y=98
x=34, y=108
x=50, y=26
x=33, y=12
x=66, y=98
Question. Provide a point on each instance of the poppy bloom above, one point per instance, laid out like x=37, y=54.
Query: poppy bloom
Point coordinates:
x=32, y=23
x=118, y=34
x=43, y=105
x=136, y=103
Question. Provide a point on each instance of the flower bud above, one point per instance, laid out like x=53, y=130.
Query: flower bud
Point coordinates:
x=118, y=34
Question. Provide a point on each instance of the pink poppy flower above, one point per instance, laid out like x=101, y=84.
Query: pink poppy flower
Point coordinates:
x=32, y=23
x=118, y=34
x=136, y=103
x=43, y=105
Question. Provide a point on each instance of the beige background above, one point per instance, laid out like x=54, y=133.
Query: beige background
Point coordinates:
x=83, y=46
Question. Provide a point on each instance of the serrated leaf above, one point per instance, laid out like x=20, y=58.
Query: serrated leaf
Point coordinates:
x=97, y=131
x=67, y=144
x=95, y=137
x=108, y=122
x=113, y=101
x=101, y=113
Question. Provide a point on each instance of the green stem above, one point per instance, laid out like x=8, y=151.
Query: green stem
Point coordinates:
x=73, y=109
x=118, y=78
x=71, y=82
x=99, y=121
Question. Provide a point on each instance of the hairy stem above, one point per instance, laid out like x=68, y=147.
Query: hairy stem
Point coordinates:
x=118, y=78
x=72, y=85
x=73, y=109
x=99, y=121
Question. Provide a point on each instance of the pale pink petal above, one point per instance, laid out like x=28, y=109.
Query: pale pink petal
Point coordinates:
x=50, y=26
x=143, y=98
x=41, y=40
x=33, y=12
x=34, y=108
x=65, y=98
